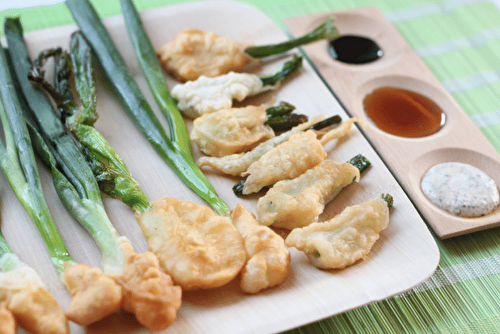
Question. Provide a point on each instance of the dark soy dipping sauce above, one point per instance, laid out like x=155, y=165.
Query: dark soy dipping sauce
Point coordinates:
x=354, y=49
x=403, y=113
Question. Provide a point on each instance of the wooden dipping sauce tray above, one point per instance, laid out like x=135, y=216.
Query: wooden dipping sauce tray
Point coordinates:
x=408, y=158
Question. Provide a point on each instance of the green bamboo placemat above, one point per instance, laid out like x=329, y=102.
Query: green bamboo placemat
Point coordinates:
x=460, y=42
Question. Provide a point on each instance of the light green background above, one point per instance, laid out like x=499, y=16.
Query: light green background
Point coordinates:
x=460, y=42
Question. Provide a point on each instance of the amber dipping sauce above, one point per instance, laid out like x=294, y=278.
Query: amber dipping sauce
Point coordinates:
x=403, y=113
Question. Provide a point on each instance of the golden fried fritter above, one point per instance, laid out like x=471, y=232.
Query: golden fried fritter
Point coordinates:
x=286, y=161
x=300, y=201
x=94, y=295
x=7, y=322
x=237, y=164
x=269, y=259
x=33, y=306
x=230, y=131
x=194, y=53
x=345, y=239
x=206, y=95
x=198, y=248
x=148, y=292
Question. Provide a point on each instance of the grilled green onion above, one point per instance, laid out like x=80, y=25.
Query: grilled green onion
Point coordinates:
x=127, y=90
x=325, y=30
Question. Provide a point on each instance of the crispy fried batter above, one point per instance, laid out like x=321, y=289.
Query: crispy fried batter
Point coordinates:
x=206, y=95
x=194, y=52
x=94, y=295
x=341, y=131
x=7, y=322
x=346, y=238
x=198, y=248
x=299, y=153
x=300, y=201
x=286, y=161
x=33, y=306
x=237, y=164
x=148, y=292
x=230, y=131
x=269, y=260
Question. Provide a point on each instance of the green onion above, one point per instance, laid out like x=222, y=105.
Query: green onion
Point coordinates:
x=238, y=188
x=17, y=160
x=336, y=119
x=389, y=199
x=137, y=106
x=73, y=180
x=360, y=162
x=110, y=170
x=283, y=108
x=325, y=30
x=8, y=260
x=4, y=249
x=153, y=73
x=283, y=71
x=285, y=122
x=78, y=190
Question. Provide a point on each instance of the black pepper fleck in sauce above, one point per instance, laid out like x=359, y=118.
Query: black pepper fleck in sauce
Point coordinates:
x=403, y=113
x=354, y=49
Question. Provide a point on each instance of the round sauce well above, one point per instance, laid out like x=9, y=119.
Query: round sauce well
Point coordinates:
x=403, y=113
x=352, y=49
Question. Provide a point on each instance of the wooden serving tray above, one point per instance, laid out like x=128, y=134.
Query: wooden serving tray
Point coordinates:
x=405, y=255
x=458, y=141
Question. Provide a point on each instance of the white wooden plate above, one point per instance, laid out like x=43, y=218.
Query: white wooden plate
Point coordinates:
x=404, y=256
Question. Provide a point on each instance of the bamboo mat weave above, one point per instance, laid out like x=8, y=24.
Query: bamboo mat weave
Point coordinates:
x=460, y=42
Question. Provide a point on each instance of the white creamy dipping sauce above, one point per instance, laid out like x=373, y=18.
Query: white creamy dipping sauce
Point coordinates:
x=460, y=189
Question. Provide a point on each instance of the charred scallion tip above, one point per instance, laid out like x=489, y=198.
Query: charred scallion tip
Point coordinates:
x=325, y=123
x=238, y=188
x=283, y=108
x=325, y=30
x=280, y=73
x=389, y=199
x=360, y=162
x=285, y=122
x=174, y=146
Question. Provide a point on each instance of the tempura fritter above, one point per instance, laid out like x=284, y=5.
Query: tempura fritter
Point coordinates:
x=299, y=202
x=230, y=131
x=269, y=259
x=194, y=53
x=345, y=239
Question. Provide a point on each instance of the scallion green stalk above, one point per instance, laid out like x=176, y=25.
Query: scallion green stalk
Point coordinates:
x=17, y=160
x=138, y=108
x=282, y=72
x=72, y=177
x=153, y=73
x=4, y=250
x=126, y=280
x=110, y=170
x=325, y=30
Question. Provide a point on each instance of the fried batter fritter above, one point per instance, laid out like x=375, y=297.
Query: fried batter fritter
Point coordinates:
x=94, y=295
x=300, y=201
x=345, y=239
x=148, y=292
x=194, y=53
x=269, y=259
x=198, y=248
x=230, y=131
